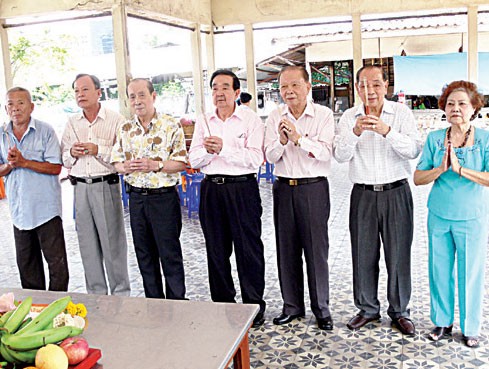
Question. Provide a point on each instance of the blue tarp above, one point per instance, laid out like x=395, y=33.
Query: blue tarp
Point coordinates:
x=428, y=74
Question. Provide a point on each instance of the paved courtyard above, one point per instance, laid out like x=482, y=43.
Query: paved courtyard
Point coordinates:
x=300, y=344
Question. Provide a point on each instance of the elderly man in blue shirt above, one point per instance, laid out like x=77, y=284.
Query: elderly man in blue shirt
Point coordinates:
x=30, y=161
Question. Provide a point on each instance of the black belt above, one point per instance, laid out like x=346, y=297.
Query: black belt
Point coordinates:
x=382, y=187
x=300, y=181
x=112, y=178
x=222, y=179
x=149, y=191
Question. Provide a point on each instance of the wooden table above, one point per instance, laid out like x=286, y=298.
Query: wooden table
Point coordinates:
x=161, y=334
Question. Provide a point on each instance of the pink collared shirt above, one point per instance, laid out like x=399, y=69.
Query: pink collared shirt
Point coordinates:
x=312, y=158
x=242, y=135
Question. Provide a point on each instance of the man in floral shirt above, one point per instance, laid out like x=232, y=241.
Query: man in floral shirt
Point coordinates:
x=150, y=152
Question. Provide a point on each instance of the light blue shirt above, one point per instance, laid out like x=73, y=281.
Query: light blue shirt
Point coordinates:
x=453, y=197
x=34, y=198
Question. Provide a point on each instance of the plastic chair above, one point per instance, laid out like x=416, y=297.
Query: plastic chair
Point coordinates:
x=2, y=189
x=193, y=192
x=182, y=195
x=268, y=175
x=182, y=189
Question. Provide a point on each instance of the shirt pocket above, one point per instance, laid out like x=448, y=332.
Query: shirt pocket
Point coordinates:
x=36, y=155
x=103, y=142
x=239, y=140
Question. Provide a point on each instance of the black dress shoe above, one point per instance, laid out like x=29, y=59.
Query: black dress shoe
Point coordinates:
x=284, y=318
x=358, y=321
x=258, y=321
x=405, y=325
x=325, y=324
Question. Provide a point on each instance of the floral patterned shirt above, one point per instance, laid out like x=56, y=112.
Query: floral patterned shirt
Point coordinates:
x=164, y=140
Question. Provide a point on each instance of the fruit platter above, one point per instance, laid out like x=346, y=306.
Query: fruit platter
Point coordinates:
x=44, y=336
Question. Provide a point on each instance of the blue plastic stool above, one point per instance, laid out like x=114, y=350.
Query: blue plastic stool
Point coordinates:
x=124, y=195
x=181, y=193
x=268, y=175
x=193, y=192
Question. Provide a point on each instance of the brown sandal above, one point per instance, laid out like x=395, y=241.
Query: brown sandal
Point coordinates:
x=438, y=333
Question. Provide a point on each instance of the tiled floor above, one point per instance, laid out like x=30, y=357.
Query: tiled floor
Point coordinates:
x=300, y=344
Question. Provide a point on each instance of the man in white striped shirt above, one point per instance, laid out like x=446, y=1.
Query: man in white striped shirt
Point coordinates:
x=377, y=139
x=86, y=146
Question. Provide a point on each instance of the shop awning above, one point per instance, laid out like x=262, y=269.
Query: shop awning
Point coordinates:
x=428, y=74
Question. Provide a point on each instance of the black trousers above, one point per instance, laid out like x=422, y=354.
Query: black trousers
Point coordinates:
x=30, y=245
x=385, y=216
x=156, y=224
x=301, y=216
x=231, y=213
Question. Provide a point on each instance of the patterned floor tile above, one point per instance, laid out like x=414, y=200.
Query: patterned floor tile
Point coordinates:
x=300, y=344
x=276, y=357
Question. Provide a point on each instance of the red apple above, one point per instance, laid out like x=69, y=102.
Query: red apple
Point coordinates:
x=76, y=348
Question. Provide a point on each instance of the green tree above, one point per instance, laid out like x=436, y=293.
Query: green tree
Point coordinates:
x=39, y=61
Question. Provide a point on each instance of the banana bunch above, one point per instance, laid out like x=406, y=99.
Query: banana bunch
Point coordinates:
x=20, y=338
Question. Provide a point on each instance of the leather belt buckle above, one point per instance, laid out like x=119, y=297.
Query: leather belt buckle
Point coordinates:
x=378, y=188
x=88, y=180
x=293, y=182
x=219, y=180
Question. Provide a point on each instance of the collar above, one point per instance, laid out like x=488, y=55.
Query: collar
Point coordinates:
x=152, y=122
x=102, y=113
x=238, y=113
x=10, y=126
x=388, y=108
x=309, y=110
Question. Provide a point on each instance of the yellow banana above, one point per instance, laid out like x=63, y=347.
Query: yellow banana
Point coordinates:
x=29, y=341
x=18, y=316
x=46, y=316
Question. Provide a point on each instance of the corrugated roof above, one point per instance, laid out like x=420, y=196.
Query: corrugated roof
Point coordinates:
x=444, y=23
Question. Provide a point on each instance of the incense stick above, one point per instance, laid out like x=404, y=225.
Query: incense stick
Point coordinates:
x=207, y=124
x=367, y=108
x=8, y=137
x=74, y=132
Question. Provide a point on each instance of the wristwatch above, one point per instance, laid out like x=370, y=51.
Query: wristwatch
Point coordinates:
x=160, y=166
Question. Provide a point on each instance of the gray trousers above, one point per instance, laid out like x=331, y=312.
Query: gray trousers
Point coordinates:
x=385, y=216
x=301, y=216
x=102, y=237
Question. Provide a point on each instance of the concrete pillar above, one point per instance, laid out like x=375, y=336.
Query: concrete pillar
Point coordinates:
x=357, y=49
x=121, y=53
x=209, y=48
x=195, y=40
x=6, y=79
x=250, y=63
x=472, y=54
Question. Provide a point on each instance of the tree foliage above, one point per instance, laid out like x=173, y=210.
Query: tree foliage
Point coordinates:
x=171, y=88
x=39, y=61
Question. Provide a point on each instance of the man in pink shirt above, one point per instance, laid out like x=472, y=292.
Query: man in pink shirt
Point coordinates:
x=299, y=140
x=228, y=147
